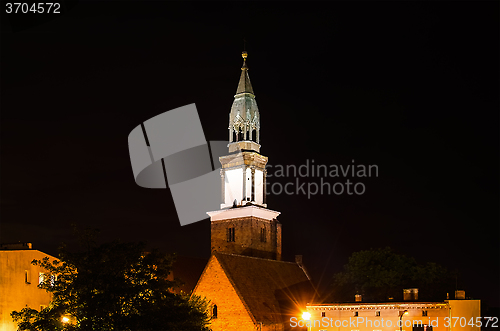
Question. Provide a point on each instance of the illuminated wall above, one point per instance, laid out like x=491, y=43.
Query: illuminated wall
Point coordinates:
x=18, y=284
x=232, y=314
x=404, y=316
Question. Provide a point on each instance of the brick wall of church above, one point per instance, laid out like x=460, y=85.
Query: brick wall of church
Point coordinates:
x=248, y=237
x=231, y=313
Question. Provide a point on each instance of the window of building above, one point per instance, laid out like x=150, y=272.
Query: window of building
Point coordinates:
x=424, y=312
x=214, y=311
x=323, y=314
x=230, y=234
x=355, y=314
x=263, y=235
x=421, y=327
x=377, y=313
x=41, y=277
x=27, y=277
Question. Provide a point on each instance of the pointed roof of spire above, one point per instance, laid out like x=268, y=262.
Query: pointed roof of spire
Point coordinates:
x=244, y=85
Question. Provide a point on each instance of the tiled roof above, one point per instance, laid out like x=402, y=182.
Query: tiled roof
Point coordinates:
x=272, y=290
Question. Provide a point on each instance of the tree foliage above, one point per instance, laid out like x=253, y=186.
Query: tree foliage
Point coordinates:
x=113, y=286
x=382, y=274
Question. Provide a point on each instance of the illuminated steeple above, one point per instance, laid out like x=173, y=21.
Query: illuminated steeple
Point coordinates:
x=244, y=119
x=244, y=169
x=244, y=225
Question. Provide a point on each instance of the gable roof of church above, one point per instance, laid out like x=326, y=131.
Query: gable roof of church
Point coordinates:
x=273, y=291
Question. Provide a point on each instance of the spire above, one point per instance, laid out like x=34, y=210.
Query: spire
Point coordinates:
x=244, y=119
x=244, y=86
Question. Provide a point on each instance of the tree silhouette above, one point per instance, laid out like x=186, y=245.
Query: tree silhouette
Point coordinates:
x=382, y=274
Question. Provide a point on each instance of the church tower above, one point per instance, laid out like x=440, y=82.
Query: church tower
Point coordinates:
x=244, y=225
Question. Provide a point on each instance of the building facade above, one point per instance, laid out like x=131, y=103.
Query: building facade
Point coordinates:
x=463, y=315
x=249, y=293
x=19, y=281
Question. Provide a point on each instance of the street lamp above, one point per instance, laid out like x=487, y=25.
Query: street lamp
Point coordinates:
x=306, y=316
x=401, y=314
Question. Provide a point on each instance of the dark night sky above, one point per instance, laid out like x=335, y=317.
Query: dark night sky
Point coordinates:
x=411, y=87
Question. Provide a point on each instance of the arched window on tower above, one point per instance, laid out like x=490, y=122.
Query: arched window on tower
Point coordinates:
x=263, y=234
x=214, y=311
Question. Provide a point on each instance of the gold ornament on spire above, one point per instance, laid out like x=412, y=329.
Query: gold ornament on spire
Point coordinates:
x=244, y=55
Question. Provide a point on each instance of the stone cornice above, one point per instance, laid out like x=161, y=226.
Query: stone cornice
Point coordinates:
x=246, y=211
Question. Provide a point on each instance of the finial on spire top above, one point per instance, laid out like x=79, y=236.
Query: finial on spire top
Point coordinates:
x=244, y=55
x=244, y=85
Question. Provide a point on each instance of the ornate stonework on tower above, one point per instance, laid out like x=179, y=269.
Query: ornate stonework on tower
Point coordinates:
x=244, y=225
